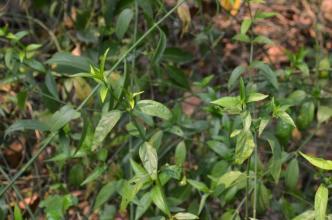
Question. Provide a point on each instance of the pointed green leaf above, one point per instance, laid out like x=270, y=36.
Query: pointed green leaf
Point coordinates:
x=103, y=93
x=307, y=215
x=276, y=160
x=324, y=113
x=262, y=40
x=235, y=75
x=143, y=205
x=245, y=25
x=180, y=153
x=149, y=158
x=17, y=213
x=123, y=22
x=292, y=174
x=267, y=72
x=284, y=116
x=318, y=162
x=160, y=48
x=61, y=117
x=154, y=108
x=321, y=199
x=185, y=216
x=104, y=126
x=94, y=175
x=28, y=124
x=159, y=199
x=262, y=125
x=75, y=63
x=200, y=186
x=229, y=178
x=104, y=194
x=255, y=97
x=244, y=146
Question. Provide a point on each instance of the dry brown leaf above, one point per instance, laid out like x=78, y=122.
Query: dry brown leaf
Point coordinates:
x=326, y=9
x=14, y=152
x=185, y=17
x=296, y=134
x=276, y=54
x=77, y=50
x=32, y=201
x=190, y=103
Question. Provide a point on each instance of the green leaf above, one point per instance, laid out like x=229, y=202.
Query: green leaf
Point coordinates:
x=103, y=61
x=318, y=162
x=267, y=72
x=262, y=40
x=307, y=215
x=51, y=85
x=28, y=124
x=229, y=178
x=178, y=77
x=123, y=22
x=104, y=126
x=143, y=205
x=304, y=68
x=103, y=90
x=296, y=97
x=324, y=113
x=263, y=15
x=285, y=117
x=21, y=99
x=263, y=198
x=244, y=146
x=177, y=55
x=230, y=104
x=172, y=171
x=153, y=108
x=138, y=169
x=159, y=52
x=128, y=193
x=321, y=199
x=292, y=174
x=200, y=186
x=245, y=25
x=61, y=117
x=159, y=199
x=32, y=47
x=57, y=205
x=17, y=213
x=94, y=175
x=75, y=63
x=180, y=154
x=242, y=38
x=220, y=148
x=235, y=75
x=149, y=158
x=255, y=97
x=156, y=139
x=262, y=125
x=185, y=216
x=228, y=101
x=276, y=160
x=105, y=194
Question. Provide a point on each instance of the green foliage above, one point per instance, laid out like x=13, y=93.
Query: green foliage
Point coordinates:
x=218, y=144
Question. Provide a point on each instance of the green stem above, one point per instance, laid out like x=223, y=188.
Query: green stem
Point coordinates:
x=132, y=76
x=247, y=191
x=255, y=179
